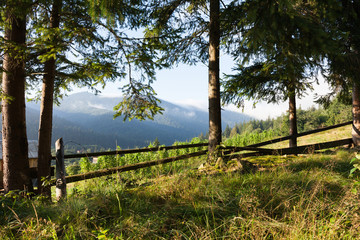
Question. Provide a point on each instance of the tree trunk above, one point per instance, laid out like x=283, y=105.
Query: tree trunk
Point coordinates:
x=214, y=80
x=46, y=110
x=356, y=114
x=292, y=118
x=14, y=138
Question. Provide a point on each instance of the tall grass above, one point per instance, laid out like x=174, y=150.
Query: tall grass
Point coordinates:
x=85, y=164
x=250, y=138
x=103, y=162
x=304, y=198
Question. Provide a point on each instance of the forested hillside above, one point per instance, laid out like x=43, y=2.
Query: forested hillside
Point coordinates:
x=309, y=119
x=85, y=121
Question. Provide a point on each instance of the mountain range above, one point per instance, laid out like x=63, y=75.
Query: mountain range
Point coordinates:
x=85, y=120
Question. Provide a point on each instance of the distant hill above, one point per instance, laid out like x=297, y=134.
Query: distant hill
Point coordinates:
x=84, y=119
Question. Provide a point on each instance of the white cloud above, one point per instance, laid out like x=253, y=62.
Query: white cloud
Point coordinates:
x=98, y=106
x=200, y=104
x=261, y=111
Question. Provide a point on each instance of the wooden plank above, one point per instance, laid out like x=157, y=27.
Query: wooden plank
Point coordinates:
x=128, y=151
x=313, y=147
x=300, y=134
x=60, y=170
x=298, y=150
x=230, y=149
x=32, y=163
x=140, y=150
x=105, y=172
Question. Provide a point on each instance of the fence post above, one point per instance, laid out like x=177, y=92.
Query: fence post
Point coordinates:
x=60, y=170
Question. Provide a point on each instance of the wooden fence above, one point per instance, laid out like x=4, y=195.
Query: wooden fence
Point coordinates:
x=305, y=149
x=300, y=134
x=228, y=152
x=129, y=151
x=61, y=180
x=252, y=147
x=105, y=172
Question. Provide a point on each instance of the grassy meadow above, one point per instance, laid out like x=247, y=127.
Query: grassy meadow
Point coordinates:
x=289, y=197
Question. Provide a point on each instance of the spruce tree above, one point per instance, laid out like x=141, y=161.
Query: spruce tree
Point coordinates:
x=277, y=45
x=227, y=131
x=95, y=58
x=189, y=32
x=47, y=101
x=14, y=139
x=342, y=21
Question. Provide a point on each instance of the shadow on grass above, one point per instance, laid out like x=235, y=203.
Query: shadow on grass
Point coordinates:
x=269, y=197
x=341, y=167
x=305, y=195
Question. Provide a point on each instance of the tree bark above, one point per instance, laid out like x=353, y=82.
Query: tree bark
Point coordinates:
x=214, y=80
x=355, y=133
x=46, y=110
x=292, y=118
x=14, y=138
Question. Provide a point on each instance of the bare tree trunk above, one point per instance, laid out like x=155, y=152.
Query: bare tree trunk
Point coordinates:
x=356, y=114
x=14, y=138
x=214, y=79
x=46, y=111
x=292, y=119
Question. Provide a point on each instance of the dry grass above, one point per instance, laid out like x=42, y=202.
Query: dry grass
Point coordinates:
x=329, y=135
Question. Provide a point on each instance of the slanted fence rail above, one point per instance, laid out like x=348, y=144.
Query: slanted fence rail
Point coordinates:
x=228, y=152
x=300, y=134
x=305, y=149
x=105, y=172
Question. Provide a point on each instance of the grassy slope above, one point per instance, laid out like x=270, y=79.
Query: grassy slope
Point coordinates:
x=329, y=135
x=306, y=198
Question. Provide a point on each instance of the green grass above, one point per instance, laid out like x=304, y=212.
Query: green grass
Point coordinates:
x=303, y=198
x=288, y=197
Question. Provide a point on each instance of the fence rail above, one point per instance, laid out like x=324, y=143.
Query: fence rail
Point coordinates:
x=154, y=149
x=105, y=172
x=305, y=149
x=228, y=151
x=258, y=151
x=276, y=140
x=128, y=151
